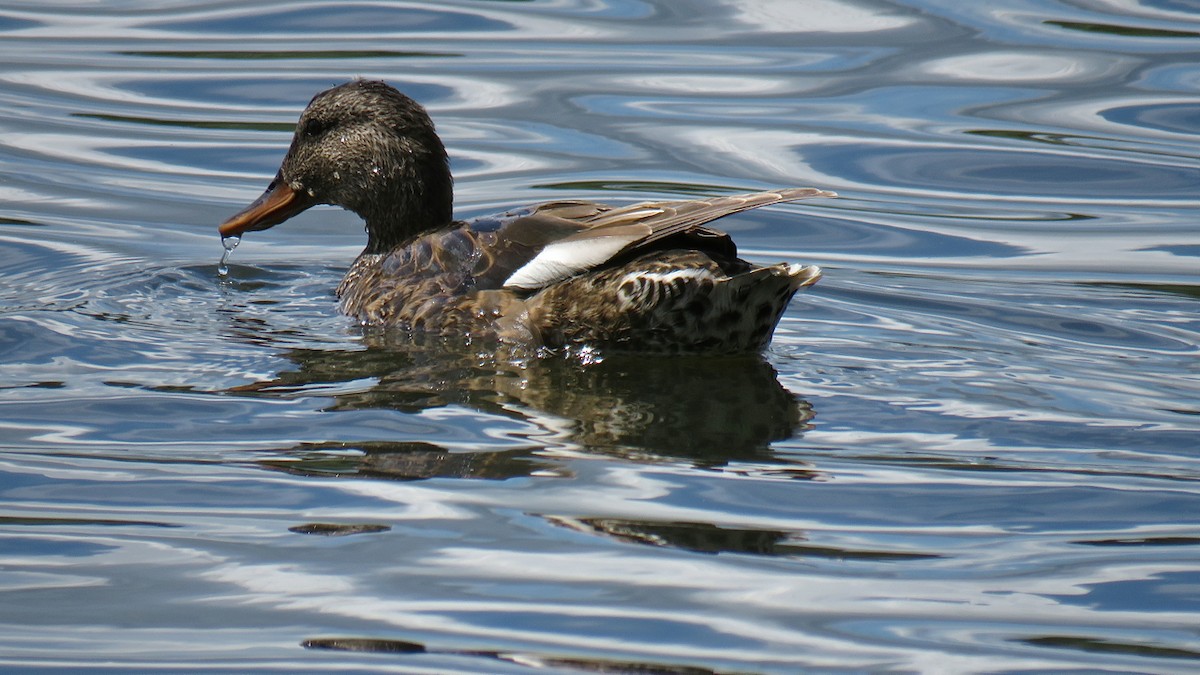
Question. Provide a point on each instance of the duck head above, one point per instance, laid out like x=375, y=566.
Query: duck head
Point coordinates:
x=368, y=148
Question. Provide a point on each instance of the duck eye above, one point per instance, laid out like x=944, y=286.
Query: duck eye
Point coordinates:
x=313, y=126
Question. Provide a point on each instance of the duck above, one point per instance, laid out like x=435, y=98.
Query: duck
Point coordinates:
x=651, y=277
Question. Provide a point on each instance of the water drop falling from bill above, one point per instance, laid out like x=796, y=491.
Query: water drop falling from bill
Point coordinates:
x=229, y=243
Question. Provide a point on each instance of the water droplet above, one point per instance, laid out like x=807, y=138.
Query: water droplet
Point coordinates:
x=229, y=243
x=337, y=175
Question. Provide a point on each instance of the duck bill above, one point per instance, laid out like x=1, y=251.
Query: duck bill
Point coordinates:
x=276, y=205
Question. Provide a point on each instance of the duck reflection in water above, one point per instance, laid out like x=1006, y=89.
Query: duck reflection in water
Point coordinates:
x=708, y=411
x=714, y=413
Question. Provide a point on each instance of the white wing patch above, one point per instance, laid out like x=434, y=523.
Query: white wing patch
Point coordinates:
x=564, y=259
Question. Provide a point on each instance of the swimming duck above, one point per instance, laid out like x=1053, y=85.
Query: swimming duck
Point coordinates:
x=651, y=277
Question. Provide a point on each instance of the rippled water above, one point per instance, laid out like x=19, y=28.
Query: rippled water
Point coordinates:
x=972, y=447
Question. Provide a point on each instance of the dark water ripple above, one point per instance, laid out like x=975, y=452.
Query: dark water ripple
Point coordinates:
x=970, y=448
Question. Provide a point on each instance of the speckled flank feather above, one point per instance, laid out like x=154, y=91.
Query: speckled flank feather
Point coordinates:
x=650, y=277
x=678, y=301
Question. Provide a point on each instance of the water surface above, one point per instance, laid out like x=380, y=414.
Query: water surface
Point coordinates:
x=971, y=447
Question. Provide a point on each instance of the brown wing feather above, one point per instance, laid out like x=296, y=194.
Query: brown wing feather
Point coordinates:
x=623, y=232
x=676, y=217
x=619, y=233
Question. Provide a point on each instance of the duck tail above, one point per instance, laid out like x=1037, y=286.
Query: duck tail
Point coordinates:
x=748, y=306
x=780, y=278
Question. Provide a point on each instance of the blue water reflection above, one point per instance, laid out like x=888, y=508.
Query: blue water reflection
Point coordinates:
x=318, y=19
x=971, y=447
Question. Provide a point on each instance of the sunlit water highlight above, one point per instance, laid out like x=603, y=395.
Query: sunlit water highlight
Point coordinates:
x=971, y=447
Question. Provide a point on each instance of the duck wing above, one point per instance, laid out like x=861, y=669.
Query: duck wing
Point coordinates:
x=564, y=239
x=508, y=241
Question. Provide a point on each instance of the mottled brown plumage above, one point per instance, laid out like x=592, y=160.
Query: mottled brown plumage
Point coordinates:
x=646, y=277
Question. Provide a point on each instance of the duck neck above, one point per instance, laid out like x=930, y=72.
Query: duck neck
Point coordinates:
x=422, y=203
x=401, y=225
